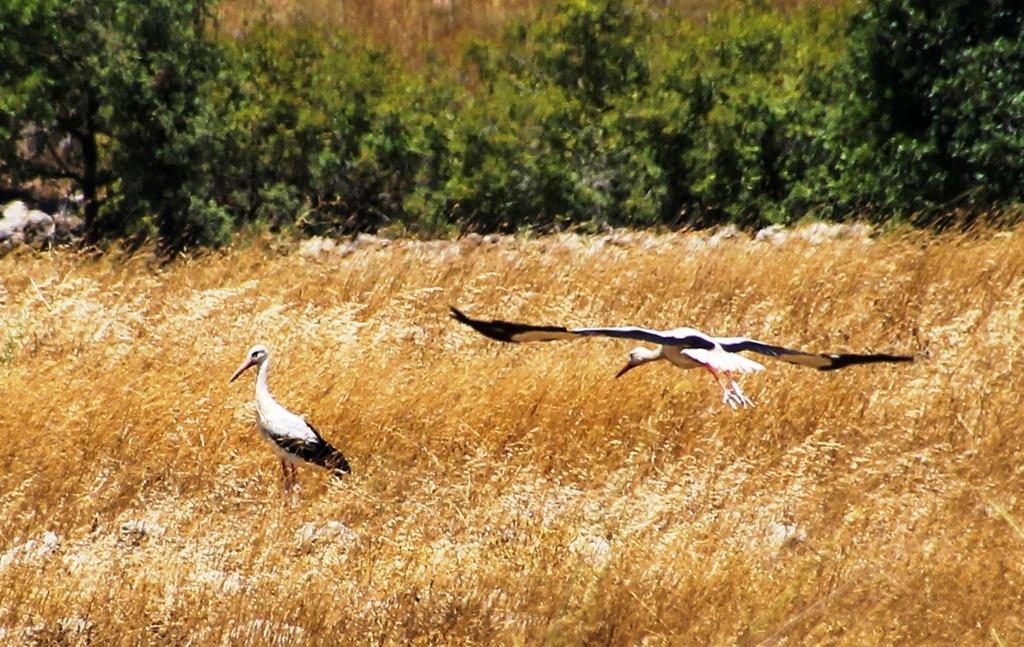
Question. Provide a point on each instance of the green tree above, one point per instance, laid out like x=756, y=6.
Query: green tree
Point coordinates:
x=105, y=94
x=933, y=112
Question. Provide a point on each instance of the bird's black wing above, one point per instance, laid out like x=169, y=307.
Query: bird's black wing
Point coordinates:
x=820, y=361
x=319, y=452
x=683, y=337
x=509, y=331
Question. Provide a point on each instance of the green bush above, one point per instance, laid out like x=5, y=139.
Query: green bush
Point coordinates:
x=593, y=113
x=109, y=89
x=326, y=134
x=539, y=141
x=302, y=101
x=735, y=118
x=933, y=109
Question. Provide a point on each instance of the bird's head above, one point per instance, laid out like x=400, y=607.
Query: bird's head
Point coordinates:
x=255, y=357
x=638, y=356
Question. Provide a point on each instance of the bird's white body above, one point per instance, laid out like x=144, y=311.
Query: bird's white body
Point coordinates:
x=279, y=426
x=716, y=360
x=717, y=357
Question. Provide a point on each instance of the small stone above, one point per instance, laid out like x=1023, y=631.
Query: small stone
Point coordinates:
x=784, y=535
x=19, y=224
x=313, y=534
x=313, y=247
x=774, y=234
x=66, y=226
x=133, y=532
x=724, y=233
x=471, y=240
x=817, y=233
x=369, y=240
x=621, y=239
x=344, y=250
x=31, y=550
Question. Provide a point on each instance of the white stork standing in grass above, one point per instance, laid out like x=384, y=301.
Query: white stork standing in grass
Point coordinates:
x=684, y=347
x=291, y=437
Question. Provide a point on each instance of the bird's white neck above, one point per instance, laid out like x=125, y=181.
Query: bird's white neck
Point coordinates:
x=262, y=387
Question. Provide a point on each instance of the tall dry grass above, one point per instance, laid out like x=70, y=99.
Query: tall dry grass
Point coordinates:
x=412, y=29
x=515, y=494
x=416, y=29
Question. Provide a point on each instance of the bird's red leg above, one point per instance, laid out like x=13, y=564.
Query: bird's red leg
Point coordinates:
x=727, y=396
x=295, y=476
x=738, y=392
x=714, y=374
x=284, y=473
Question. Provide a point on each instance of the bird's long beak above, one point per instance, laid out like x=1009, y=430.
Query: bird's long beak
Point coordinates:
x=625, y=369
x=241, y=369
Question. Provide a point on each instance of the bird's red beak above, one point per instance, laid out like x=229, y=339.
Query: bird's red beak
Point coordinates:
x=241, y=369
x=625, y=369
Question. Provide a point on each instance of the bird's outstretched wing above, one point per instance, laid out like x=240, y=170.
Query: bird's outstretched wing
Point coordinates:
x=683, y=337
x=820, y=361
x=509, y=331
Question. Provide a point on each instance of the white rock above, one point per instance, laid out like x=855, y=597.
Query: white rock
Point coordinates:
x=471, y=240
x=784, y=535
x=621, y=238
x=594, y=548
x=774, y=234
x=133, y=532
x=14, y=210
x=369, y=240
x=13, y=220
x=65, y=225
x=313, y=534
x=19, y=221
x=568, y=242
x=313, y=247
x=819, y=232
x=723, y=233
x=31, y=550
x=40, y=223
x=344, y=249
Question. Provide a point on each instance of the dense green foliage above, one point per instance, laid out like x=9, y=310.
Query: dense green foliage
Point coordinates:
x=597, y=112
x=108, y=95
x=935, y=116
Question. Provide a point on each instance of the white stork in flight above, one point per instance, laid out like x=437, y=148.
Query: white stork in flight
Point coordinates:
x=291, y=437
x=684, y=347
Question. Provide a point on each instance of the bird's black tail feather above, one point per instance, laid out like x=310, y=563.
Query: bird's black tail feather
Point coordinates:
x=337, y=464
x=325, y=455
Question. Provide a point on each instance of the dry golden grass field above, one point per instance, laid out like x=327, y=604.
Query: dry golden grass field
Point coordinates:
x=515, y=494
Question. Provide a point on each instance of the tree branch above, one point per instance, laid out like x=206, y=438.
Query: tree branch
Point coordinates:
x=56, y=157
